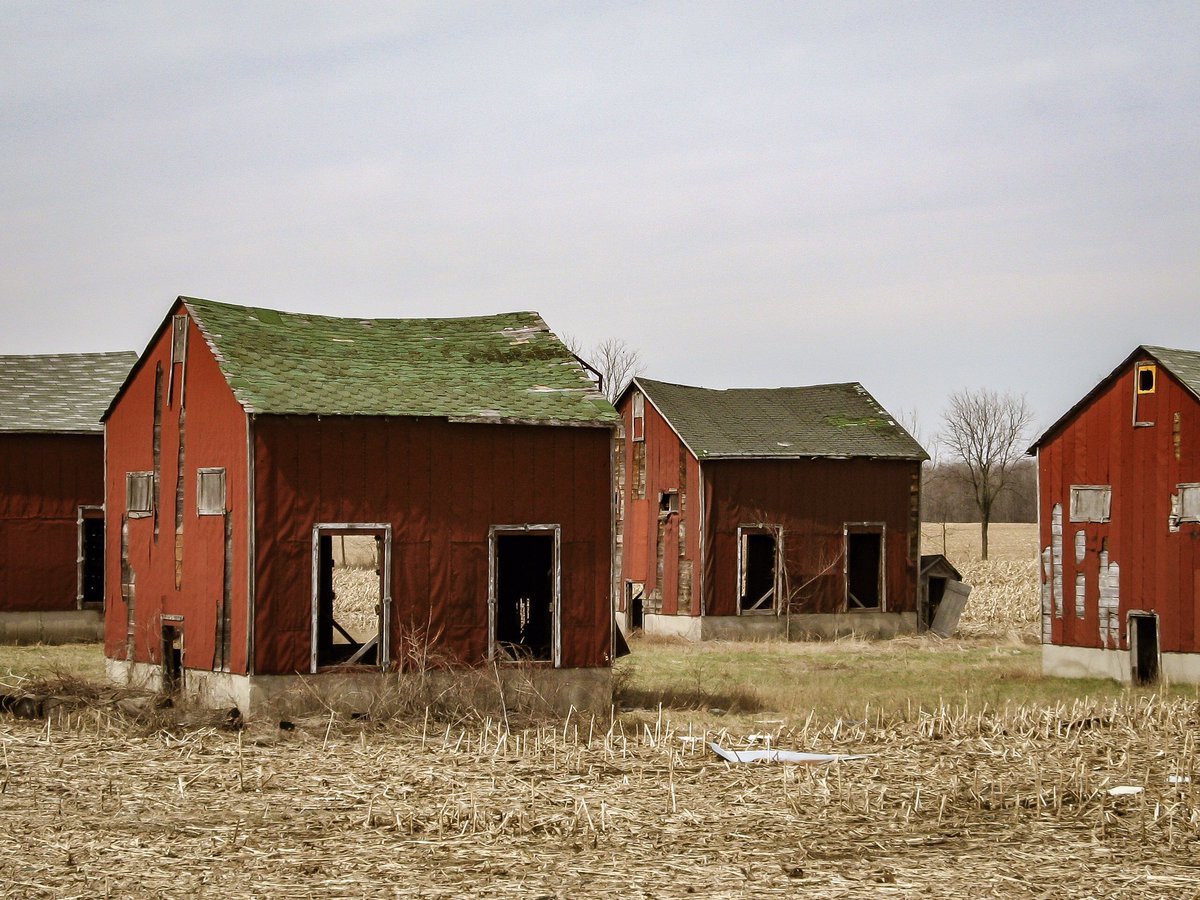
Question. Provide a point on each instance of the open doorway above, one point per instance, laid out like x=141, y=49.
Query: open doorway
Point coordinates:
x=91, y=556
x=635, y=594
x=351, y=595
x=758, y=578
x=864, y=567
x=1143, y=647
x=524, y=601
x=172, y=655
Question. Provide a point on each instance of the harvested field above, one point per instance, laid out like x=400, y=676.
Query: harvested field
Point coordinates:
x=964, y=803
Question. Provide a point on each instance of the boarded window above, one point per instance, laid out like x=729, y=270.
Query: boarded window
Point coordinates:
x=210, y=492
x=139, y=494
x=639, y=416
x=1090, y=502
x=179, y=325
x=1189, y=502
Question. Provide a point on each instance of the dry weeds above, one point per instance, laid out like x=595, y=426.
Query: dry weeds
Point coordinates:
x=963, y=803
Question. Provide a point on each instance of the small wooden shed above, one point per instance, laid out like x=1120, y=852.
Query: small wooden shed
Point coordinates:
x=475, y=453
x=1119, y=524
x=52, y=489
x=755, y=513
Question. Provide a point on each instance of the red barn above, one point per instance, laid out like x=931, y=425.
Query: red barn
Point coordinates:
x=1119, y=524
x=767, y=513
x=248, y=443
x=52, y=492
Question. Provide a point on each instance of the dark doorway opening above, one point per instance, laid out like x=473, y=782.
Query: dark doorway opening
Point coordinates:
x=525, y=595
x=349, y=615
x=91, y=558
x=634, y=603
x=864, y=570
x=759, y=555
x=1143, y=628
x=937, y=590
x=172, y=657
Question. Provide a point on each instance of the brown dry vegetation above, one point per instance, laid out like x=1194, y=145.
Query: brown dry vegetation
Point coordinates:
x=983, y=779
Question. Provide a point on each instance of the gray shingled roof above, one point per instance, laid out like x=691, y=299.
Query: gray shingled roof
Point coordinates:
x=840, y=420
x=501, y=368
x=64, y=393
x=1183, y=364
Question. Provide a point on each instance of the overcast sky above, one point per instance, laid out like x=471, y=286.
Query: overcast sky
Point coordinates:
x=918, y=196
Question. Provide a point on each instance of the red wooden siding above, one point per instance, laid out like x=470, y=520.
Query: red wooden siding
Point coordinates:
x=1158, y=567
x=44, y=479
x=214, y=436
x=812, y=499
x=441, y=486
x=664, y=453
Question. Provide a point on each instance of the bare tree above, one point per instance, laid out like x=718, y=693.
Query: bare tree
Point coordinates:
x=987, y=433
x=614, y=360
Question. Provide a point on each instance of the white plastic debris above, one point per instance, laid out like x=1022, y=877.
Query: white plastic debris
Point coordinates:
x=784, y=756
x=1125, y=790
x=1179, y=779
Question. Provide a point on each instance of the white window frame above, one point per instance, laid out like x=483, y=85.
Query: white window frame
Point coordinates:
x=1078, y=491
x=131, y=479
x=201, y=509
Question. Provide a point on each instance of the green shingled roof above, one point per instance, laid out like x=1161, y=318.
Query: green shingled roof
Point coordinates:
x=822, y=420
x=61, y=393
x=507, y=367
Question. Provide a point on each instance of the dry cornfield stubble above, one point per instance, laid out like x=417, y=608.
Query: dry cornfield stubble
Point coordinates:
x=959, y=803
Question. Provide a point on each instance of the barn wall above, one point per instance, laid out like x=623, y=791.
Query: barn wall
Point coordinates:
x=44, y=479
x=654, y=552
x=812, y=500
x=215, y=435
x=1156, y=566
x=441, y=486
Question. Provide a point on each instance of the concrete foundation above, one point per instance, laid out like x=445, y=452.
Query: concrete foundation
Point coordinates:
x=75, y=626
x=524, y=687
x=1091, y=662
x=824, y=626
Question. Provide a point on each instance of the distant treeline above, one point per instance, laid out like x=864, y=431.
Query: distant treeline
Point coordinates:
x=946, y=495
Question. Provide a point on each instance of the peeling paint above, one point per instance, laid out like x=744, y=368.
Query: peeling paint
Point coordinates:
x=1110, y=603
x=1056, y=557
x=1047, y=575
x=1080, y=595
x=1080, y=546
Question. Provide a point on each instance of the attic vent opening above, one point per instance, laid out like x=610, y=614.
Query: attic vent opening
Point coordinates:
x=1146, y=374
x=638, y=425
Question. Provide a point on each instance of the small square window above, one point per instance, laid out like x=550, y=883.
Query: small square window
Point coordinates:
x=210, y=492
x=668, y=502
x=139, y=494
x=1090, y=502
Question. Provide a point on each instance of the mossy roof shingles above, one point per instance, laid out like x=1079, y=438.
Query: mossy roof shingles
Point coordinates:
x=63, y=393
x=507, y=367
x=829, y=420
